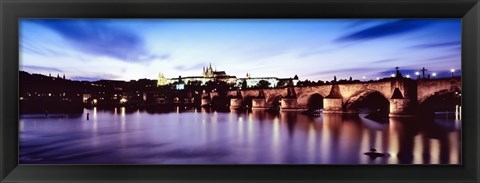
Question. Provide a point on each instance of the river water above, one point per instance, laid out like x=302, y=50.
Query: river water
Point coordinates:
x=196, y=136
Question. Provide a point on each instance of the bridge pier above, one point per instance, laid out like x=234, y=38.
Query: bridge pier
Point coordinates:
x=332, y=105
x=289, y=104
x=236, y=103
x=259, y=103
x=205, y=102
x=400, y=108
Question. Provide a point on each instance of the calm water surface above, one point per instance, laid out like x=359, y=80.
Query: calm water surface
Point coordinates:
x=199, y=137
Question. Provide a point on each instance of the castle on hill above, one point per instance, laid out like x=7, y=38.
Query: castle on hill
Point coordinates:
x=210, y=74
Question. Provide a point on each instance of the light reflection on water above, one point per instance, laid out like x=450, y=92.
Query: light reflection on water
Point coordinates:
x=236, y=137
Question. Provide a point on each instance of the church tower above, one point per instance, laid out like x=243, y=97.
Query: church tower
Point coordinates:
x=208, y=72
x=162, y=81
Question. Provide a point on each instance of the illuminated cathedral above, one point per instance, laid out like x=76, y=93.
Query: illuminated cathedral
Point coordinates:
x=208, y=71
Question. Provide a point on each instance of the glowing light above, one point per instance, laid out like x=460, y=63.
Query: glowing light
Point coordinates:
x=94, y=101
x=417, y=73
x=408, y=76
x=392, y=75
x=123, y=111
x=452, y=71
x=434, y=74
x=378, y=78
x=123, y=100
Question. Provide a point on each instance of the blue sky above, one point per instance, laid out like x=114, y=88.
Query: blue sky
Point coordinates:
x=314, y=49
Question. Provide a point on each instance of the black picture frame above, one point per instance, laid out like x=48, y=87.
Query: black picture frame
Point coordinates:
x=12, y=10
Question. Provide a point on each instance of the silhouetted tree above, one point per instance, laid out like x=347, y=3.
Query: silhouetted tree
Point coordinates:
x=244, y=84
x=263, y=84
x=281, y=83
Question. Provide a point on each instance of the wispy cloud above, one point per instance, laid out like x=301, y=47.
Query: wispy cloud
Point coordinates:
x=316, y=51
x=384, y=30
x=95, y=77
x=29, y=47
x=384, y=61
x=32, y=68
x=342, y=71
x=190, y=67
x=436, y=45
x=444, y=57
x=95, y=37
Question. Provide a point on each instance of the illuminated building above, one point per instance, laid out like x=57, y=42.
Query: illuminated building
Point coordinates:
x=208, y=74
x=273, y=81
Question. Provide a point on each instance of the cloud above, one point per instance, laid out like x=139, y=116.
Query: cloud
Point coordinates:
x=342, y=71
x=164, y=56
x=190, y=67
x=317, y=51
x=384, y=30
x=95, y=77
x=32, y=68
x=28, y=47
x=95, y=37
x=445, y=57
x=437, y=45
x=384, y=61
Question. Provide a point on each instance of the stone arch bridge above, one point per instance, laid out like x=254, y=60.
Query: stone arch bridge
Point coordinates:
x=403, y=94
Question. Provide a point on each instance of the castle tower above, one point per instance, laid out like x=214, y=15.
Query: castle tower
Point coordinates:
x=208, y=72
x=204, y=72
x=162, y=81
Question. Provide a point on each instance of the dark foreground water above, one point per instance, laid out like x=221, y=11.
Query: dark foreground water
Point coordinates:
x=199, y=137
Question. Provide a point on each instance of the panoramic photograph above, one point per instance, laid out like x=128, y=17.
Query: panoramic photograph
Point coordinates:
x=240, y=91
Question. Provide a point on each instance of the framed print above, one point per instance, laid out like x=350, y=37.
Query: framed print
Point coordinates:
x=239, y=91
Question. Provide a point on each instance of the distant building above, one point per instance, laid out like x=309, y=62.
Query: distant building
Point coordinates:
x=180, y=85
x=273, y=81
x=162, y=81
x=208, y=74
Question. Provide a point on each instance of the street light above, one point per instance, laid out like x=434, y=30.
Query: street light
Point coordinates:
x=417, y=74
x=378, y=78
x=408, y=76
x=392, y=75
x=452, y=71
x=364, y=78
x=434, y=74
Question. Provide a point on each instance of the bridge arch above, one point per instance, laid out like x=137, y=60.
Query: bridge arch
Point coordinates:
x=315, y=101
x=443, y=100
x=305, y=100
x=219, y=102
x=438, y=93
x=371, y=99
x=274, y=100
x=247, y=101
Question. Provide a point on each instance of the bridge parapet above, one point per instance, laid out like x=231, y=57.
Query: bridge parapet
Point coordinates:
x=430, y=87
